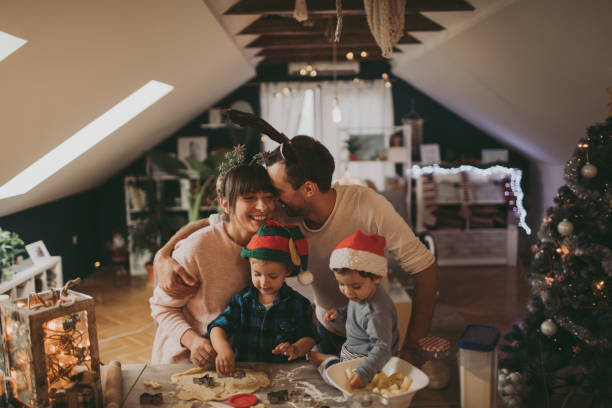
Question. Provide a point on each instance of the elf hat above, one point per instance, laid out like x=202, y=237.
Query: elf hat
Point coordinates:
x=281, y=243
x=361, y=252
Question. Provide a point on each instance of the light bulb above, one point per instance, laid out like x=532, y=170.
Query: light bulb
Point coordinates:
x=336, y=113
x=350, y=56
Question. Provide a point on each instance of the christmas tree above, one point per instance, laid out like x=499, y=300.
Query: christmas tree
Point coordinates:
x=562, y=349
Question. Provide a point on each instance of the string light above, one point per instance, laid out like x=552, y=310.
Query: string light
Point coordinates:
x=363, y=54
x=497, y=171
x=350, y=56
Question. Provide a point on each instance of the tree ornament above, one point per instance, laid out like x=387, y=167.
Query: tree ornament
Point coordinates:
x=548, y=328
x=588, y=171
x=565, y=227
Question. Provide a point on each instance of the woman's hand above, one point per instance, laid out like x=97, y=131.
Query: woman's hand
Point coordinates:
x=202, y=352
x=225, y=361
x=286, y=349
x=330, y=316
x=355, y=381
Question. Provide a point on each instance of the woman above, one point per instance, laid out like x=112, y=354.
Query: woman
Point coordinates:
x=211, y=256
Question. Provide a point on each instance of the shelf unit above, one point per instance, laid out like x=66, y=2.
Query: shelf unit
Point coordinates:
x=469, y=245
x=171, y=191
x=34, y=277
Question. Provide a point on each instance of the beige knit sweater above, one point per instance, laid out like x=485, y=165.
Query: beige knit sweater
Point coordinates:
x=214, y=259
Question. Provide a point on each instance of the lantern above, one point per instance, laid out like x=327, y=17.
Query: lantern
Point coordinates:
x=52, y=352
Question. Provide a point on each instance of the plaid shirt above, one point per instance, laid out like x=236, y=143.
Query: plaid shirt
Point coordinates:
x=257, y=331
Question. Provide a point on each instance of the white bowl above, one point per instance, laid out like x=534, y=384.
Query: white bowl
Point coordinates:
x=337, y=376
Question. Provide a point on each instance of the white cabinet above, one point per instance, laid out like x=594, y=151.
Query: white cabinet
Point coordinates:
x=468, y=213
x=34, y=277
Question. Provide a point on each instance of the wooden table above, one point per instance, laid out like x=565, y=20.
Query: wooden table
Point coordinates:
x=290, y=376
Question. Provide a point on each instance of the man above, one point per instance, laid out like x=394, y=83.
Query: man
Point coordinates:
x=301, y=171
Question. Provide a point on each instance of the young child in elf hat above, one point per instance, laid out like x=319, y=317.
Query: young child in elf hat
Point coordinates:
x=359, y=263
x=268, y=321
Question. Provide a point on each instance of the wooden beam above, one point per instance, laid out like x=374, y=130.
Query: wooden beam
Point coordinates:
x=305, y=52
x=277, y=25
x=285, y=59
x=314, y=41
x=349, y=7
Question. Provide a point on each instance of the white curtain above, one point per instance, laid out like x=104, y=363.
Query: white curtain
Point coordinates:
x=281, y=107
x=366, y=106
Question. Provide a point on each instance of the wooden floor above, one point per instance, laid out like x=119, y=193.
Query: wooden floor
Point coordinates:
x=485, y=295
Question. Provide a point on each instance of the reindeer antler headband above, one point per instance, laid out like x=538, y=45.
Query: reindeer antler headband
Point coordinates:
x=244, y=119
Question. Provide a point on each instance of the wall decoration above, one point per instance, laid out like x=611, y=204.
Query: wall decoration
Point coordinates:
x=494, y=156
x=194, y=147
x=37, y=251
x=430, y=154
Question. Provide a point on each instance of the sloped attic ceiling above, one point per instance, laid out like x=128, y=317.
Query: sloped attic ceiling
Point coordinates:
x=533, y=74
x=82, y=58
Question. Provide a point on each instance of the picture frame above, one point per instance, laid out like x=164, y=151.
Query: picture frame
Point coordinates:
x=430, y=154
x=494, y=156
x=196, y=147
x=37, y=251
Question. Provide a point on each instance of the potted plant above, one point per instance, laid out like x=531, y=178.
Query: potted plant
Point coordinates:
x=352, y=145
x=10, y=246
x=199, y=175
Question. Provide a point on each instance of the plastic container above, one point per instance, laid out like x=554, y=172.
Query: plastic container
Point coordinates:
x=434, y=352
x=337, y=376
x=478, y=366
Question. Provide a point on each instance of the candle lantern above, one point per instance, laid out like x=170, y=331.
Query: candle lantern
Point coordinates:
x=52, y=352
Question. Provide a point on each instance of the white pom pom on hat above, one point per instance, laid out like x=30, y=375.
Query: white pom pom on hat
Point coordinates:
x=361, y=252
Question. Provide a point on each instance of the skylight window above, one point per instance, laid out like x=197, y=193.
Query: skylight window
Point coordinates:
x=9, y=44
x=85, y=138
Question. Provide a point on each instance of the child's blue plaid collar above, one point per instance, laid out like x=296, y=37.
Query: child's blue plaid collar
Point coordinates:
x=283, y=294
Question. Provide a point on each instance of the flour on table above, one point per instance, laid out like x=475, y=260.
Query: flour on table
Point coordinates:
x=222, y=389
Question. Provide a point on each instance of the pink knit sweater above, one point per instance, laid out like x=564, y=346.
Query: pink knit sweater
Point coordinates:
x=214, y=259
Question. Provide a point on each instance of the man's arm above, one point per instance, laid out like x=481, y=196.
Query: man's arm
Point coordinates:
x=171, y=276
x=423, y=303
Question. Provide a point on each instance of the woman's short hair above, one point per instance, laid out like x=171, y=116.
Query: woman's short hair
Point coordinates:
x=244, y=179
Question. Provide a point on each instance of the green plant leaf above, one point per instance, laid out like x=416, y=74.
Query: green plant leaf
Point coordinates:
x=168, y=163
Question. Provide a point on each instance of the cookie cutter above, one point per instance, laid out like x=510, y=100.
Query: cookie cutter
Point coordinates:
x=151, y=399
x=204, y=380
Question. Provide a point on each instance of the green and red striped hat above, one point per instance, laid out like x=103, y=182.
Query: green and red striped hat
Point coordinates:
x=281, y=243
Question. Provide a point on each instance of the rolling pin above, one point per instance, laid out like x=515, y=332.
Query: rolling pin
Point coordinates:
x=114, y=385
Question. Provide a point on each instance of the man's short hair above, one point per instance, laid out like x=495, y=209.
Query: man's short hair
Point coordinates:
x=312, y=162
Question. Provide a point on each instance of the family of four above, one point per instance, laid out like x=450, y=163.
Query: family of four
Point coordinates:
x=221, y=293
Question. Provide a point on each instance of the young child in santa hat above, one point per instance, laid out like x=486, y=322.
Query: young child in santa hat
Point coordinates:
x=268, y=321
x=359, y=264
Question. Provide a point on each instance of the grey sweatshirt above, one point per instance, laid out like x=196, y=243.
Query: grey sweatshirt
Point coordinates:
x=371, y=331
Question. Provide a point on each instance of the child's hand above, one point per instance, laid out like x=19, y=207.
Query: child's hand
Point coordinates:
x=286, y=349
x=355, y=381
x=225, y=361
x=330, y=316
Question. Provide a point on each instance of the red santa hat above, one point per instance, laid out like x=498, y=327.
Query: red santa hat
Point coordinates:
x=361, y=252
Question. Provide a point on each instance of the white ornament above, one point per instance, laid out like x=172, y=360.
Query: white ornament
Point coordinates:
x=548, y=328
x=514, y=378
x=565, y=227
x=502, y=379
x=509, y=389
x=588, y=171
